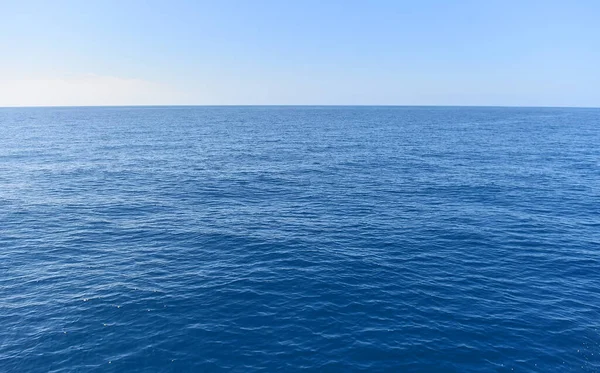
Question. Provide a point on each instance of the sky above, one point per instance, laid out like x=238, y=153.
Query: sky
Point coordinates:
x=308, y=52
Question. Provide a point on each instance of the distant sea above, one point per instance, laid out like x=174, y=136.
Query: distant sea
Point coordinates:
x=274, y=239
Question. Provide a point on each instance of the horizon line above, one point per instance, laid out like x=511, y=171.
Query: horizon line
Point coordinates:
x=296, y=105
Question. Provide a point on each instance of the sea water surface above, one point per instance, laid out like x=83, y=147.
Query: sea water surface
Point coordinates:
x=334, y=239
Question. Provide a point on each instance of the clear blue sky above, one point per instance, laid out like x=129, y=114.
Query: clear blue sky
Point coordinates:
x=532, y=53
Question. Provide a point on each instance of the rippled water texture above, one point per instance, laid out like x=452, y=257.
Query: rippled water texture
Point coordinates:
x=244, y=239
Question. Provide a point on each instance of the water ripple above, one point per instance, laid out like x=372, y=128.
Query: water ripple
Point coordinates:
x=248, y=239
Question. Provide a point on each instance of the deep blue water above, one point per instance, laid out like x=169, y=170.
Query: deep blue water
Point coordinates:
x=244, y=239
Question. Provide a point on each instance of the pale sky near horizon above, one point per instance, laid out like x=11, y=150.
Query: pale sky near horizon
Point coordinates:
x=329, y=52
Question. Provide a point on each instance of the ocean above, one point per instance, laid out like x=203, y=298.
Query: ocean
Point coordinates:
x=330, y=239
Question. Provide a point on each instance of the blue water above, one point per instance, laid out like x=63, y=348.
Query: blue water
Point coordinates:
x=245, y=239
